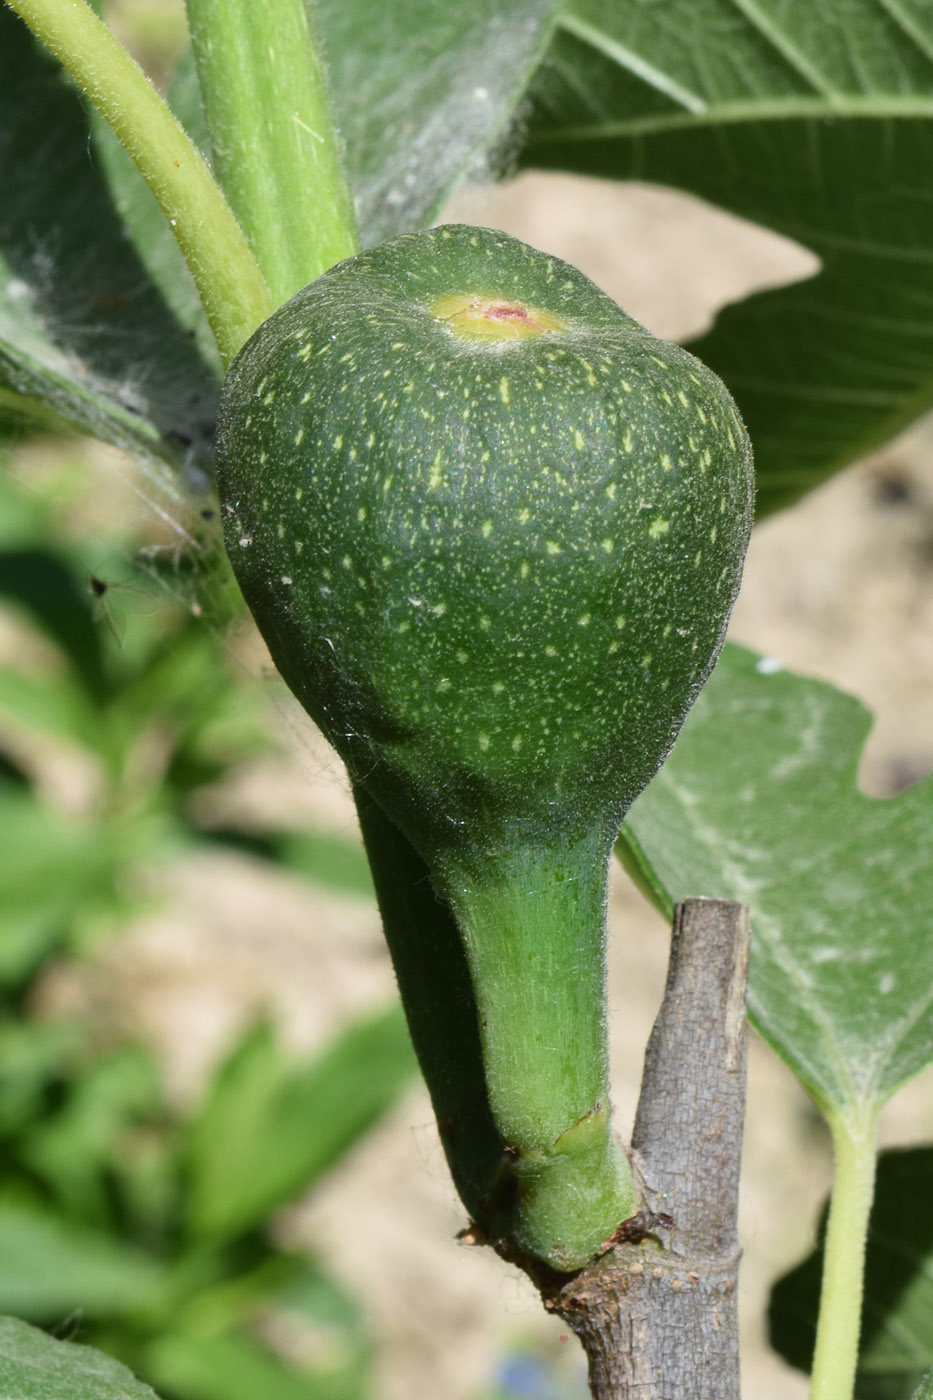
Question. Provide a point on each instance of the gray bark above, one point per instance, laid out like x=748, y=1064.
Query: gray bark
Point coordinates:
x=656, y=1313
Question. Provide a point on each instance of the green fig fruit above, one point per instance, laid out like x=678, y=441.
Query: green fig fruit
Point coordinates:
x=492, y=530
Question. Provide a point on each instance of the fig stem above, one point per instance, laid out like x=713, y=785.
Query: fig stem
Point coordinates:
x=504, y=989
x=533, y=924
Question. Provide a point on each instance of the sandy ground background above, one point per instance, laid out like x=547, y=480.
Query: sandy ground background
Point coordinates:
x=841, y=587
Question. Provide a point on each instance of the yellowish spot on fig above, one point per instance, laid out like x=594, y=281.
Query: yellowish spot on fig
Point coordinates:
x=473, y=317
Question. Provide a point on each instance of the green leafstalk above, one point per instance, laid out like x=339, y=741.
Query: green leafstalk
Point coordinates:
x=835, y=1359
x=231, y=286
x=276, y=150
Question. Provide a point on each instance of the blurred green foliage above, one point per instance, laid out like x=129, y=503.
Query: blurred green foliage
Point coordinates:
x=138, y=1229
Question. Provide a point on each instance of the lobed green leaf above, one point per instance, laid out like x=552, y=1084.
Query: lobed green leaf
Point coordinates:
x=812, y=120
x=759, y=802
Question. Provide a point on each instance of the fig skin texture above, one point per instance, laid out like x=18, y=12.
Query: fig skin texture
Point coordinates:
x=491, y=530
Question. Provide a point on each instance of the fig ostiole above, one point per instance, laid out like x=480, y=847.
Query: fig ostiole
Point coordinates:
x=492, y=530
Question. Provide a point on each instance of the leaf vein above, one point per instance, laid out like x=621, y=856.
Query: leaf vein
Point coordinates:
x=782, y=44
x=636, y=65
x=908, y=26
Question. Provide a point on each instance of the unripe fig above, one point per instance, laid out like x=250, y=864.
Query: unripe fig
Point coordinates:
x=491, y=530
